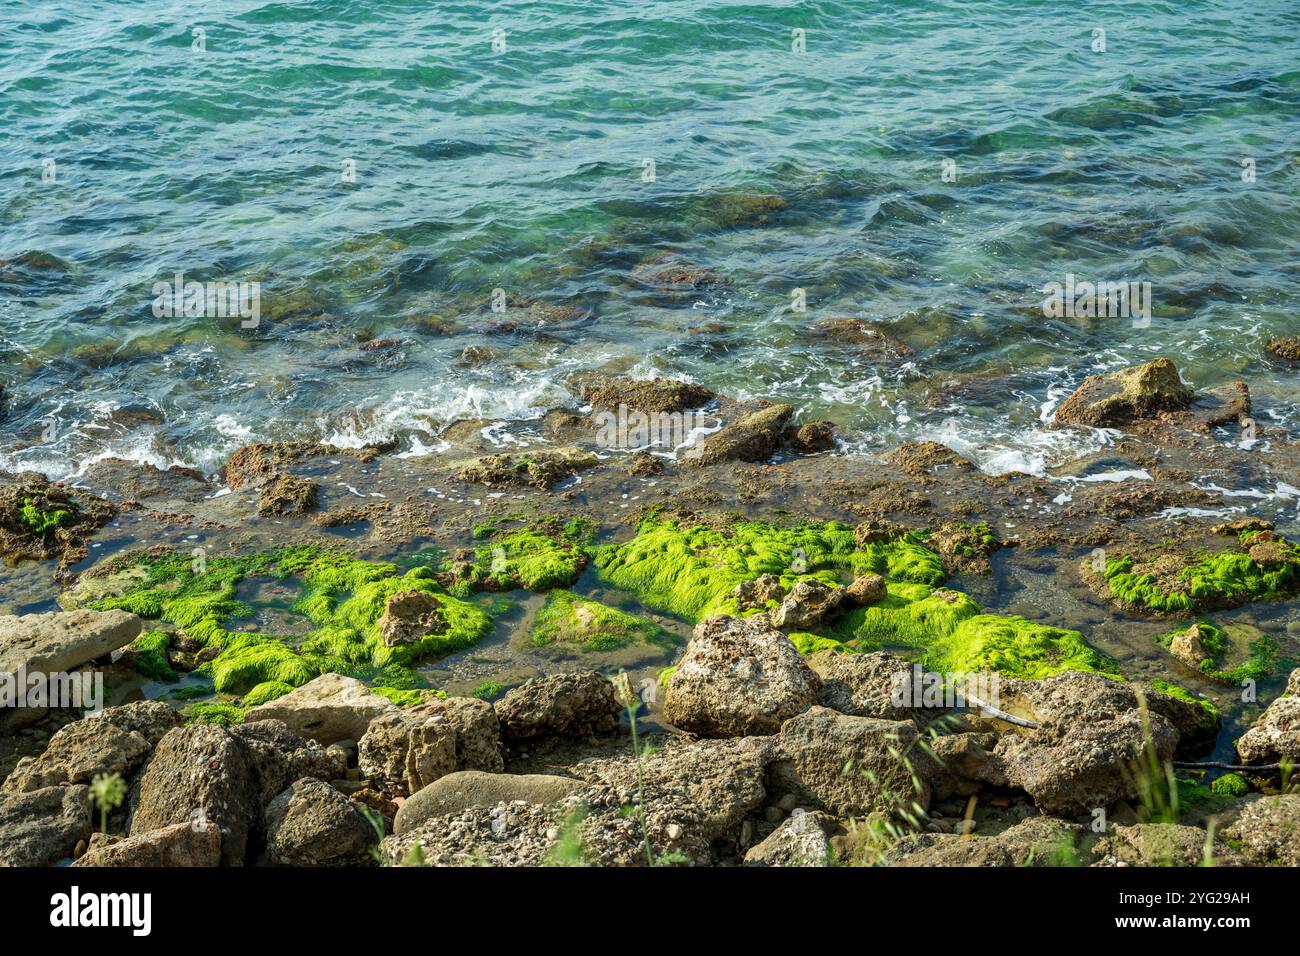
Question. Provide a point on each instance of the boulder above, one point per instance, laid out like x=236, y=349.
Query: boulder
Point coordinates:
x=809, y=605
x=560, y=705
x=738, y=677
x=866, y=589
x=410, y=616
x=478, y=732
x=801, y=840
x=755, y=595
x=1268, y=829
x=403, y=752
x=312, y=824
x=60, y=641
x=466, y=789
x=1120, y=398
x=862, y=685
x=286, y=494
x=1275, y=734
x=326, y=709
x=1186, y=646
x=811, y=437
x=181, y=844
x=854, y=766
x=752, y=438
x=42, y=827
x=277, y=757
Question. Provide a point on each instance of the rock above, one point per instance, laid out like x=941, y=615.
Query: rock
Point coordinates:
x=1293, y=684
x=1285, y=347
x=1268, y=829
x=862, y=685
x=61, y=641
x=403, y=752
x=924, y=458
x=326, y=709
x=287, y=495
x=871, y=340
x=475, y=355
x=181, y=844
x=965, y=764
x=1187, y=647
x=42, y=827
x=312, y=824
x=1037, y=841
x=410, y=616
x=478, y=732
x=1090, y=737
x=1275, y=734
x=799, y=841
x=854, y=766
x=561, y=705
x=655, y=395
x=277, y=757
x=755, y=595
x=811, y=437
x=752, y=438
x=540, y=469
x=738, y=677
x=1126, y=396
x=466, y=789
x=809, y=604
x=866, y=589
x=201, y=774
x=1162, y=844
x=254, y=464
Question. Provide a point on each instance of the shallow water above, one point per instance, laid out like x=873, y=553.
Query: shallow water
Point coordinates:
x=522, y=170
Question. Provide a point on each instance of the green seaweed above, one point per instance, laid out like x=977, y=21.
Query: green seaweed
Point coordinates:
x=221, y=713
x=266, y=691
x=1231, y=785
x=569, y=619
x=538, y=558
x=148, y=655
x=1211, y=718
x=42, y=522
x=1253, y=658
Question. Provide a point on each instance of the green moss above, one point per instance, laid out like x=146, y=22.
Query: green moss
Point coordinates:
x=691, y=571
x=216, y=712
x=537, y=559
x=569, y=619
x=405, y=697
x=1231, y=785
x=1014, y=647
x=42, y=522
x=488, y=690
x=1228, y=578
x=1211, y=720
x=266, y=691
x=666, y=675
x=1233, y=654
x=149, y=656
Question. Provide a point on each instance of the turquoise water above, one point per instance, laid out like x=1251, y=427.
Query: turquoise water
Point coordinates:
x=523, y=170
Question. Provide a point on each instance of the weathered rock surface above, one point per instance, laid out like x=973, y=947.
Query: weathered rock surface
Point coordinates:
x=62, y=640
x=738, y=677
x=862, y=685
x=312, y=824
x=854, y=766
x=410, y=616
x=656, y=395
x=1037, y=841
x=477, y=729
x=866, y=589
x=1275, y=734
x=539, y=469
x=1285, y=347
x=1125, y=396
x=277, y=757
x=801, y=840
x=1163, y=844
x=469, y=789
x=754, y=595
x=1268, y=829
x=181, y=844
x=809, y=605
x=287, y=494
x=1187, y=647
x=560, y=705
x=42, y=827
x=403, y=752
x=326, y=709
x=752, y=438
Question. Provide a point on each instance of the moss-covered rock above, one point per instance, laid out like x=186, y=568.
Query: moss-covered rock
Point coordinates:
x=1231, y=654
x=1128, y=395
x=573, y=621
x=545, y=555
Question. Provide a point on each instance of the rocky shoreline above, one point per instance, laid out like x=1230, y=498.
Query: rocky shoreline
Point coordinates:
x=533, y=648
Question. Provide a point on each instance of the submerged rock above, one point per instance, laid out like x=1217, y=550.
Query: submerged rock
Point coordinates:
x=1285, y=347
x=738, y=677
x=326, y=709
x=561, y=705
x=1125, y=396
x=871, y=340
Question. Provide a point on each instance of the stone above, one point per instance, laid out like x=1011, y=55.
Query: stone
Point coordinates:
x=1275, y=734
x=465, y=789
x=1037, y=841
x=809, y=605
x=1122, y=397
x=327, y=709
x=738, y=677
x=801, y=840
x=61, y=641
x=753, y=437
x=286, y=494
x=404, y=752
x=312, y=824
x=1187, y=647
x=181, y=844
x=755, y=595
x=1285, y=347
x=42, y=827
x=277, y=757
x=1268, y=829
x=410, y=616
x=866, y=589
x=560, y=705
x=862, y=685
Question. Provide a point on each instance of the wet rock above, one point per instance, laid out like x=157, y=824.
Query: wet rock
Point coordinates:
x=674, y=280
x=654, y=395
x=199, y=773
x=1187, y=647
x=1120, y=398
x=312, y=824
x=1275, y=734
x=410, y=616
x=854, y=766
x=540, y=469
x=927, y=457
x=801, y=840
x=1268, y=829
x=866, y=589
x=1037, y=841
x=467, y=789
x=287, y=495
x=475, y=355
x=40, y=520
x=809, y=605
x=326, y=709
x=870, y=340
x=862, y=685
x=811, y=437
x=755, y=594
x=753, y=438
x=1091, y=743
x=403, y=752
x=42, y=827
x=738, y=677
x=181, y=844
x=561, y=705
x=1285, y=347
x=260, y=462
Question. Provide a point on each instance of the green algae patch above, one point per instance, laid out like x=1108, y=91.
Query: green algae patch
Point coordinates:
x=221, y=713
x=148, y=655
x=569, y=620
x=487, y=690
x=1231, y=785
x=543, y=556
x=1211, y=719
x=1263, y=566
x=1230, y=654
x=690, y=571
x=266, y=691
x=344, y=598
x=40, y=521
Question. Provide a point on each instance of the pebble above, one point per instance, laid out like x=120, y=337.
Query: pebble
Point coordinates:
x=674, y=831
